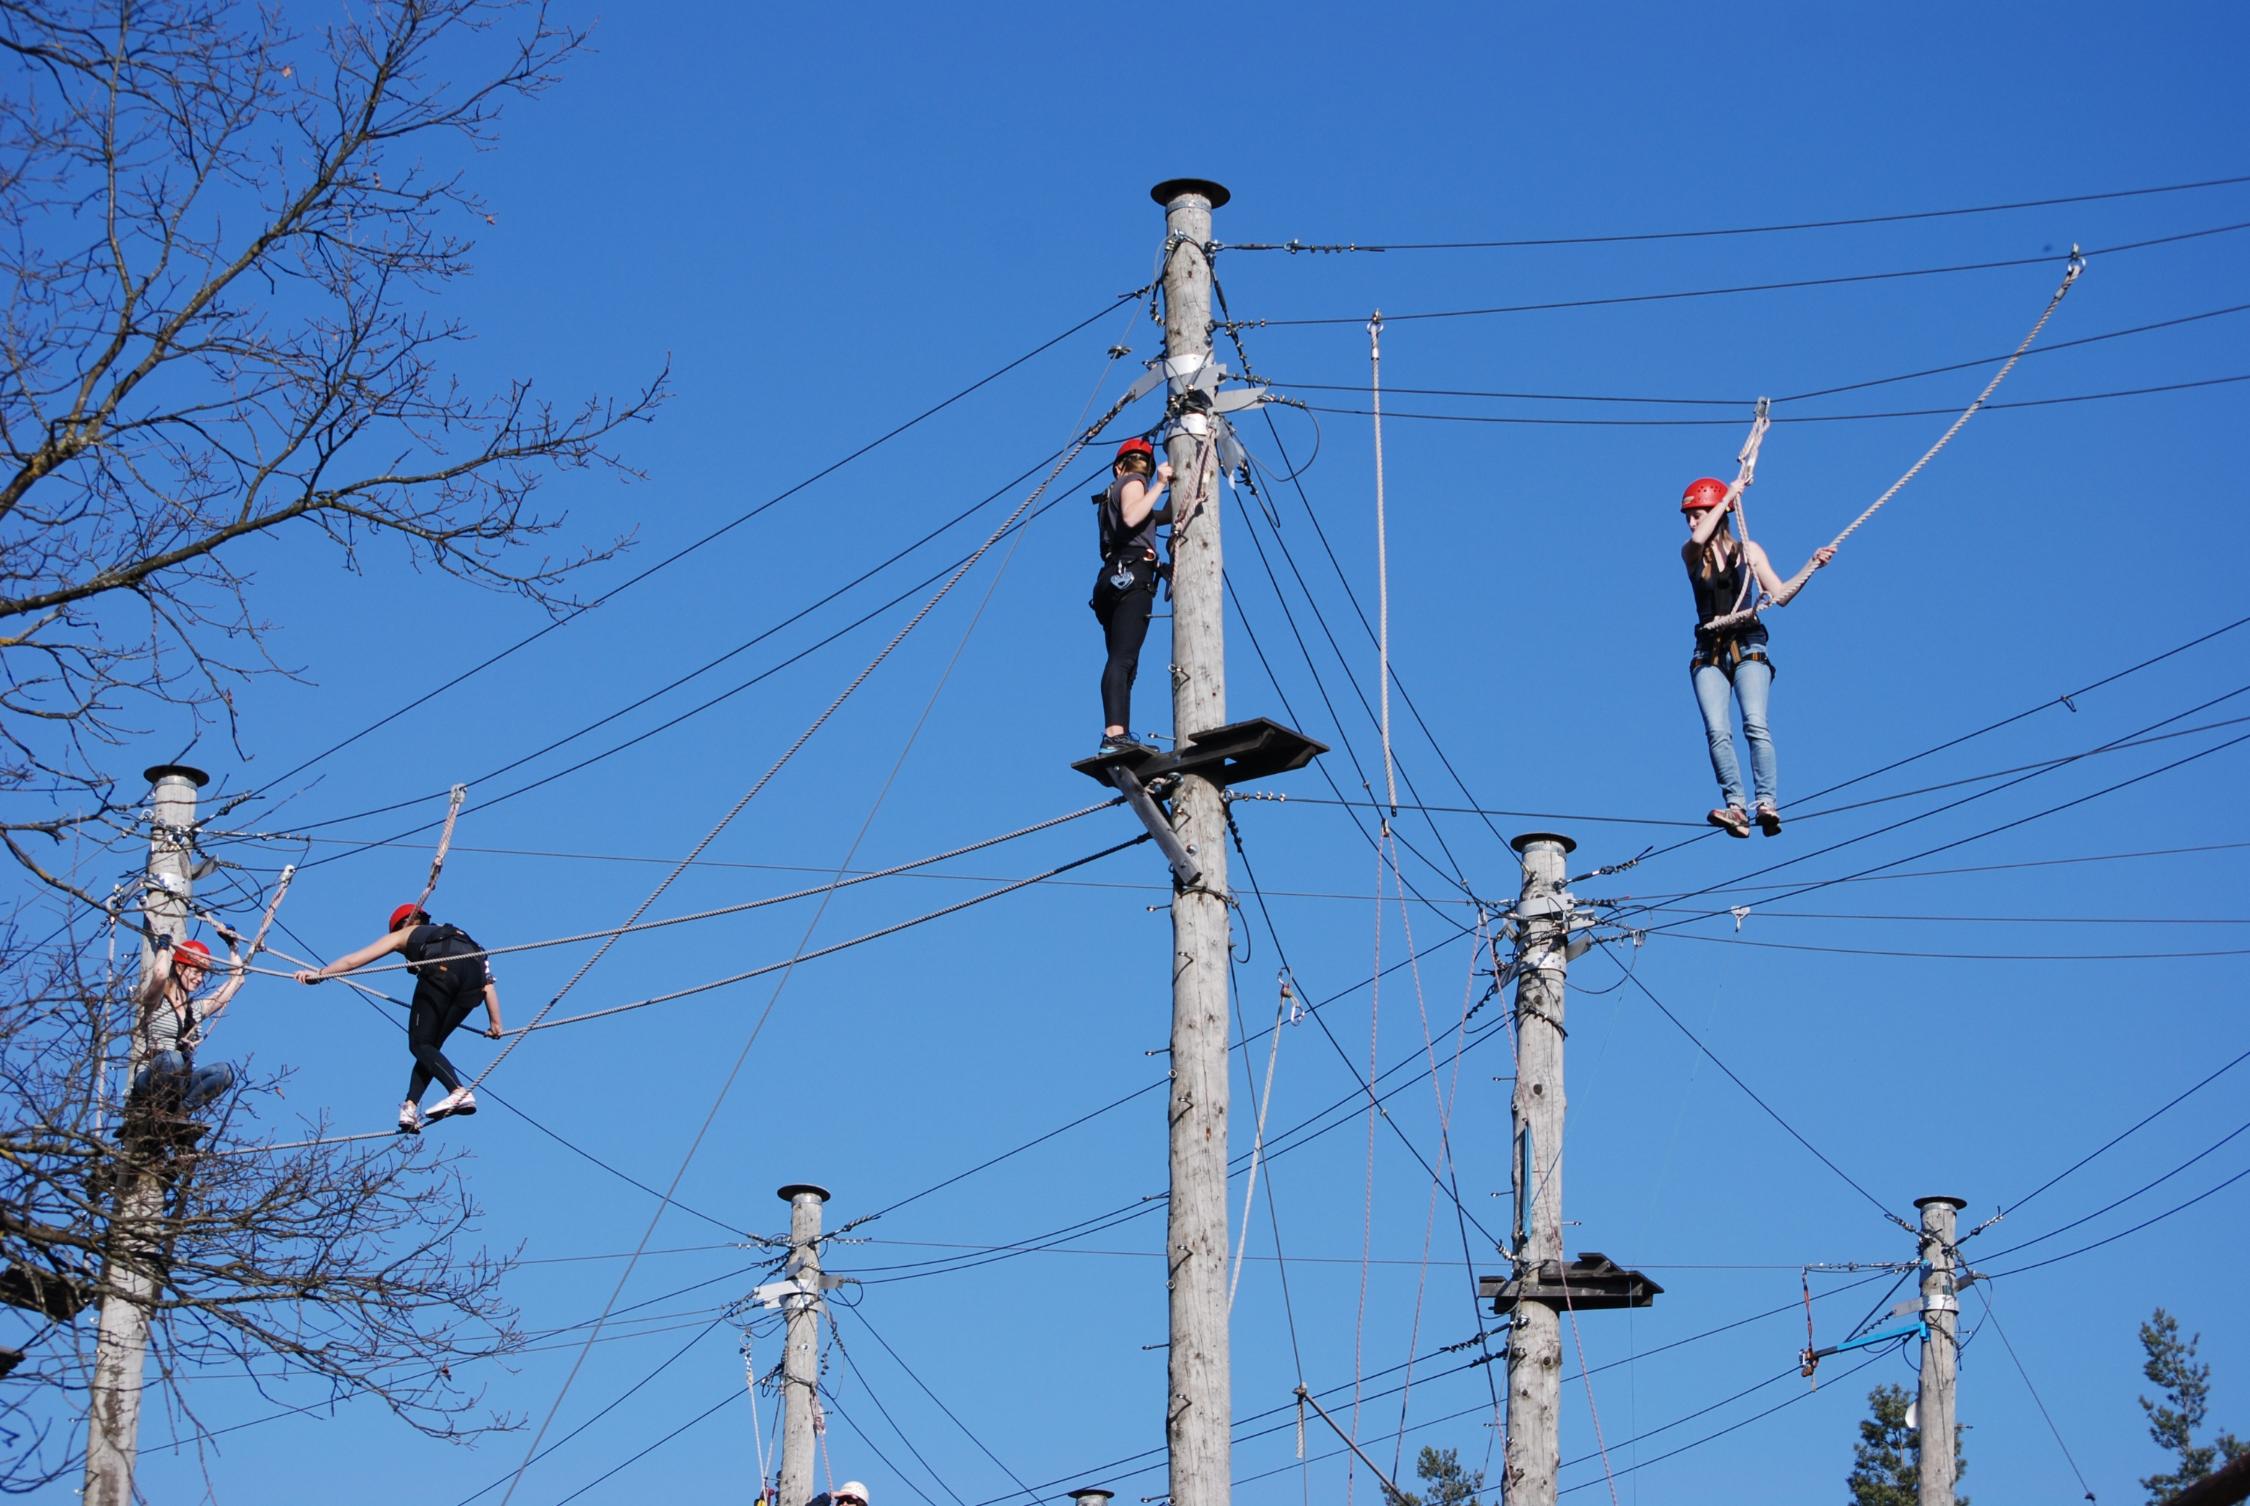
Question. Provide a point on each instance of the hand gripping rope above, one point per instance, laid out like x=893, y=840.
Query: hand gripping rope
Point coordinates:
x=2076, y=265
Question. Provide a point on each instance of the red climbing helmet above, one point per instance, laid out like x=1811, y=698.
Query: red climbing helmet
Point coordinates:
x=191, y=954
x=1704, y=491
x=1136, y=446
x=400, y=916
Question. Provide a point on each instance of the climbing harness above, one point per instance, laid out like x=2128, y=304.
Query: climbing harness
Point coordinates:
x=2075, y=265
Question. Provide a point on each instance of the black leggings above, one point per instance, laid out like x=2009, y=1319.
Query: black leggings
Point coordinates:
x=1124, y=613
x=440, y=1005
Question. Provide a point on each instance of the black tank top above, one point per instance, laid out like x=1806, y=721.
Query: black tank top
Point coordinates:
x=1719, y=595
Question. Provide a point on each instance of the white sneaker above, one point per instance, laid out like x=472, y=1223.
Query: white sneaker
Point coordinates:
x=460, y=1101
x=410, y=1118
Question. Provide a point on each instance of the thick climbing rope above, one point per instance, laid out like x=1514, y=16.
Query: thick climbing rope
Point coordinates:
x=459, y=793
x=1069, y=455
x=1382, y=554
x=2077, y=264
x=1747, y=472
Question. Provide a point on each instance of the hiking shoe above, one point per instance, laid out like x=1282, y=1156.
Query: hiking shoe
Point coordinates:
x=410, y=1118
x=1732, y=820
x=1123, y=742
x=1769, y=819
x=460, y=1101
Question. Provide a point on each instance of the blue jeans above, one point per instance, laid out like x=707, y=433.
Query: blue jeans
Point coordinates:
x=169, y=1070
x=1753, y=685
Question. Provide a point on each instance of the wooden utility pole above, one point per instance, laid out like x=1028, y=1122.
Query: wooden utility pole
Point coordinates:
x=129, y=1257
x=1542, y=919
x=1941, y=1318
x=800, y=1356
x=1199, y=1405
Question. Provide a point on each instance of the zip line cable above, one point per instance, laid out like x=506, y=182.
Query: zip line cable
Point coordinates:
x=1617, y=300
x=2011, y=1209
x=767, y=969
x=1984, y=1293
x=745, y=906
x=1770, y=1111
x=2149, y=1186
x=677, y=719
x=1733, y=404
x=2068, y=699
x=788, y=971
x=2120, y=1234
x=1295, y=246
x=1529, y=421
x=1860, y=951
x=714, y=535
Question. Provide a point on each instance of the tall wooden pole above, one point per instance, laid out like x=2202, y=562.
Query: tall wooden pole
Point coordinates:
x=128, y=1282
x=800, y=1355
x=1199, y=1407
x=1542, y=919
x=1941, y=1313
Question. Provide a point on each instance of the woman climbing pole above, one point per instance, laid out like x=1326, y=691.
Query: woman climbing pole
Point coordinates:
x=169, y=1083
x=450, y=979
x=1125, y=592
x=1722, y=570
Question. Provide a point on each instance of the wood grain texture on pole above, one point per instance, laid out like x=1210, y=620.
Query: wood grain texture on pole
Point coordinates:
x=129, y=1259
x=800, y=1355
x=1534, y=1447
x=1934, y=1406
x=1199, y=1401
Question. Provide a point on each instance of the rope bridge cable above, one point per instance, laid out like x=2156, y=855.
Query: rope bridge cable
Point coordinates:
x=1295, y=246
x=689, y=714
x=713, y=536
x=1618, y=300
x=1959, y=841
x=1085, y=438
x=826, y=951
x=2075, y=265
x=745, y=906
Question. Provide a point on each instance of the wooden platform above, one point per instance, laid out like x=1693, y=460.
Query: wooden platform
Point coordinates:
x=1591, y=1283
x=1233, y=754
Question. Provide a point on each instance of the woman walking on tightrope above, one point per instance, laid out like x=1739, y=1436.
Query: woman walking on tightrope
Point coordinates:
x=171, y=1025
x=449, y=981
x=1721, y=570
x=1125, y=592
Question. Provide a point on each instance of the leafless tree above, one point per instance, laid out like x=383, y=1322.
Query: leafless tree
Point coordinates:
x=221, y=248
x=324, y=1271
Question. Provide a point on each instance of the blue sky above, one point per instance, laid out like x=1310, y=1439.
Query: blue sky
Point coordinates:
x=826, y=222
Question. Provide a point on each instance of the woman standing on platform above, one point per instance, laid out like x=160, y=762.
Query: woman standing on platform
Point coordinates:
x=1125, y=592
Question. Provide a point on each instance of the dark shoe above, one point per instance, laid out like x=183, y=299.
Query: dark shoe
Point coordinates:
x=1732, y=820
x=1122, y=743
x=1769, y=819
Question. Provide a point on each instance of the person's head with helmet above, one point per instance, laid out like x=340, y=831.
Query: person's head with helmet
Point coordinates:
x=850, y=1493
x=1135, y=457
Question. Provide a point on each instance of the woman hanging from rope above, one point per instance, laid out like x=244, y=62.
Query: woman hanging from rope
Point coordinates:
x=449, y=981
x=1722, y=571
x=1125, y=592
x=169, y=1083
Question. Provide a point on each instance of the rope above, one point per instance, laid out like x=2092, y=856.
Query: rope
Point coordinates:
x=1382, y=553
x=444, y=843
x=1747, y=473
x=1069, y=455
x=1367, y=1216
x=826, y=951
x=2076, y=265
x=758, y=904
x=1282, y=1013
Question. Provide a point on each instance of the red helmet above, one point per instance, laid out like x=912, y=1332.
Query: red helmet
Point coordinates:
x=403, y=913
x=1135, y=446
x=1705, y=491
x=191, y=954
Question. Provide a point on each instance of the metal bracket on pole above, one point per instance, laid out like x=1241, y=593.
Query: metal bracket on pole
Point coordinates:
x=1184, y=871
